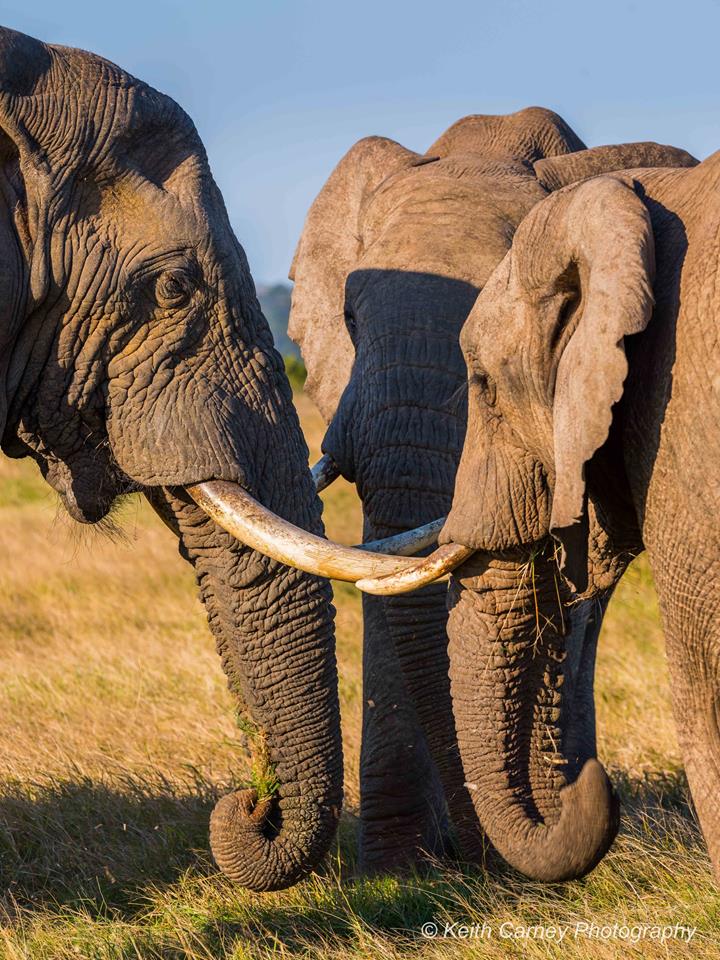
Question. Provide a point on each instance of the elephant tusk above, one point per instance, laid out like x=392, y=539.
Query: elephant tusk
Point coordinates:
x=423, y=572
x=324, y=472
x=233, y=509
x=407, y=543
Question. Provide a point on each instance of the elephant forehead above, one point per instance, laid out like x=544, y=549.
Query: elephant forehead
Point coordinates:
x=453, y=228
x=444, y=246
x=138, y=215
x=471, y=182
x=497, y=324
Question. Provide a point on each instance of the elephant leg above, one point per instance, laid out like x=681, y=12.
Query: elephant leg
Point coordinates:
x=690, y=610
x=402, y=808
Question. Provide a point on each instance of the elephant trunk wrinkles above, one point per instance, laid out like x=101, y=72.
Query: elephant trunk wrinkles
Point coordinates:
x=274, y=631
x=417, y=626
x=523, y=709
x=398, y=434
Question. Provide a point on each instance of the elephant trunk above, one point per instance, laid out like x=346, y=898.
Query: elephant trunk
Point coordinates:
x=398, y=434
x=417, y=627
x=521, y=680
x=274, y=631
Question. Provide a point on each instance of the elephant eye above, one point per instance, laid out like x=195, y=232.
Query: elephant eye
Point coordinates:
x=173, y=288
x=487, y=385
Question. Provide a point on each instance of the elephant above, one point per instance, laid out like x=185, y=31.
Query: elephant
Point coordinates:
x=593, y=385
x=394, y=251
x=134, y=357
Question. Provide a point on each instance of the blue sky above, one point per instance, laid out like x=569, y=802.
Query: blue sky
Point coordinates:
x=279, y=90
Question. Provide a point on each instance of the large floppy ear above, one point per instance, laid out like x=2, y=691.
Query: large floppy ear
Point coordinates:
x=330, y=245
x=595, y=243
x=556, y=172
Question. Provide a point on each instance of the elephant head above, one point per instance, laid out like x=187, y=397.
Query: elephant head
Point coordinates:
x=546, y=365
x=135, y=357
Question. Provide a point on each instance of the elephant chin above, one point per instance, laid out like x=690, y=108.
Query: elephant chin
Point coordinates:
x=83, y=511
x=88, y=490
x=521, y=677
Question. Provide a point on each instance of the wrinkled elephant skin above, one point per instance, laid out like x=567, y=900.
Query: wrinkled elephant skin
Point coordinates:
x=602, y=432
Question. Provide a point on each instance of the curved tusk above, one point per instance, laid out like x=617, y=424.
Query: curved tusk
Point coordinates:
x=441, y=562
x=241, y=515
x=324, y=472
x=407, y=543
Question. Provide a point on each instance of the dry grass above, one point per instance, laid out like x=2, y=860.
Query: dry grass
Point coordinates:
x=118, y=734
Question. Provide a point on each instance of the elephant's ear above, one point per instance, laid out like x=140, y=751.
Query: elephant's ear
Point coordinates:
x=560, y=171
x=330, y=245
x=24, y=170
x=594, y=244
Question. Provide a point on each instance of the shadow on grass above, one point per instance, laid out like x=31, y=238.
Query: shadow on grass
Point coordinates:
x=82, y=842
x=658, y=800
x=138, y=851
x=659, y=840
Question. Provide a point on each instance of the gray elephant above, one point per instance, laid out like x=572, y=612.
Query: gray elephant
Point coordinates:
x=594, y=385
x=135, y=357
x=394, y=251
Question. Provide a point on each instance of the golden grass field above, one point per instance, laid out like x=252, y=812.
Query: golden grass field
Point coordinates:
x=118, y=734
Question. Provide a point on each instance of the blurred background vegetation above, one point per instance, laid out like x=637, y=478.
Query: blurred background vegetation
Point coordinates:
x=275, y=302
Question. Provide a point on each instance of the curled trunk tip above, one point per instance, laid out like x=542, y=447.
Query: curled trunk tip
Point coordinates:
x=237, y=839
x=572, y=847
x=246, y=845
x=520, y=697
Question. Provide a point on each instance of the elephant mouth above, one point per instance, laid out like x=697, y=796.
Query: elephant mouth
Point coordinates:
x=88, y=490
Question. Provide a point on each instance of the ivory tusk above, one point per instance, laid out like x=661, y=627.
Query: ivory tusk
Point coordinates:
x=243, y=517
x=324, y=472
x=407, y=543
x=424, y=571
